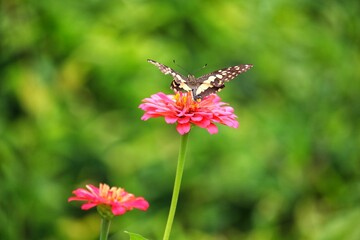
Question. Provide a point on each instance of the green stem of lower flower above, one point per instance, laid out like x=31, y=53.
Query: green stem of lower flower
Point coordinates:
x=177, y=184
x=104, y=231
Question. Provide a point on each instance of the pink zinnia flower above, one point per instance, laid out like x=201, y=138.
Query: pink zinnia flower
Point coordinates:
x=183, y=110
x=115, y=198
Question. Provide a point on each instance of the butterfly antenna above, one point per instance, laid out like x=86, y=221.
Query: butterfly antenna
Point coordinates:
x=205, y=65
x=180, y=67
x=187, y=70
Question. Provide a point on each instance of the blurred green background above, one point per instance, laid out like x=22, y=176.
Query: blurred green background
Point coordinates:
x=74, y=72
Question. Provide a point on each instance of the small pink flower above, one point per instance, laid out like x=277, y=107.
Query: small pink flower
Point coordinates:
x=183, y=110
x=117, y=199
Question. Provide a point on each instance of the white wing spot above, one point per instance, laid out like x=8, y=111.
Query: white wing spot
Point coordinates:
x=209, y=80
x=179, y=77
x=203, y=87
x=184, y=86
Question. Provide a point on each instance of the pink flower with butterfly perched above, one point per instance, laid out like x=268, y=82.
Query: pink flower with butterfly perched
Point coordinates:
x=183, y=110
x=116, y=199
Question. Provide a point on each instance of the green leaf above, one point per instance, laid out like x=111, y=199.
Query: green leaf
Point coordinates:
x=134, y=236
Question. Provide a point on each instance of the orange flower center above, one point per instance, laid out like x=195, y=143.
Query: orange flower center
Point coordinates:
x=110, y=194
x=185, y=101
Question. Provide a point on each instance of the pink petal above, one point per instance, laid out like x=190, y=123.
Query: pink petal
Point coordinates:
x=140, y=203
x=87, y=206
x=170, y=119
x=92, y=188
x=118, y=210
x=203, y=124
x=197, y=118
x=183, y=120
x=81, y=194
x=146, y=116
x=183, y=128
x=212, y=128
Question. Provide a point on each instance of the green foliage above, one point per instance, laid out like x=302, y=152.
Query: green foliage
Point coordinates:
x=72, y=74
x=134, y=236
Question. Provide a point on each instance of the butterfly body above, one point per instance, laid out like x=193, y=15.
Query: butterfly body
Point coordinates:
x=204, y=85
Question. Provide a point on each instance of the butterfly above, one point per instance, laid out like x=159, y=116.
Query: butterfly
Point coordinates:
x=204, y=85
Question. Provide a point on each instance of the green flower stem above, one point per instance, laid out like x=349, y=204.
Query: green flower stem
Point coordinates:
x=104, y=231
x=176, y=190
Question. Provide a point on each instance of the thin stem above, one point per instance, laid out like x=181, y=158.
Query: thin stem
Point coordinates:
x=104, y=231
x=176, y=190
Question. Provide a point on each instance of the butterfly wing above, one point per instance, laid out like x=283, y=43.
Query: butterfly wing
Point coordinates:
x=215, y=81
x=179, y=82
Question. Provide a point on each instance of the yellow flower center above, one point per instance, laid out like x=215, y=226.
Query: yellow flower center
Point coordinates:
x=185, y=101
x=110, y=194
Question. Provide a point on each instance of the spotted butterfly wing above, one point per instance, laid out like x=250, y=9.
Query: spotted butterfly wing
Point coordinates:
x=215, y=81
x=204, y=85
x=179, y=79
